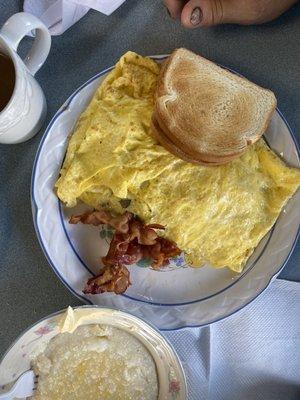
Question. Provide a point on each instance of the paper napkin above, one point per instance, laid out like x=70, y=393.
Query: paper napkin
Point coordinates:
x=59, y=15
x=252, y=355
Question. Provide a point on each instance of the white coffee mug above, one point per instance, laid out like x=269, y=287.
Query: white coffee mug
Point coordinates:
x=26, y=110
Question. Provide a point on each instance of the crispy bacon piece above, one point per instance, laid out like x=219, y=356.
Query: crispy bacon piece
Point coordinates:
x=111, y=279
x=96, y=218
x=122, y=251
x=156, y=226
x=142, y=233
x=131, y=242
x=161, y=252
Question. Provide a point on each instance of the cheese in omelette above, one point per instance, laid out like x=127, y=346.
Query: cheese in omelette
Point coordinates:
x=216, y=215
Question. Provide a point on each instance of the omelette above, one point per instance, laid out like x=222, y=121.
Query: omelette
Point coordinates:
x=215, y=215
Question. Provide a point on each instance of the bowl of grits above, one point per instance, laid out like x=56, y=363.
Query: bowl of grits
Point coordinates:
x=92, y=352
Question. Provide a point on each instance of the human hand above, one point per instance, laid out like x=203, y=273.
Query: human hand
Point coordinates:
x=195, y=13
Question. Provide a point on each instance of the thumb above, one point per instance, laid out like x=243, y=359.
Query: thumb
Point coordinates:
x=212, y=12
x=204, y=13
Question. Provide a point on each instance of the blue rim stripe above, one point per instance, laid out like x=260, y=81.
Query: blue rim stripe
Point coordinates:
x=69, y=239
x=167, y=304
x=83, y=298
x=34, y=204
x=35, y=209
x=280, y=269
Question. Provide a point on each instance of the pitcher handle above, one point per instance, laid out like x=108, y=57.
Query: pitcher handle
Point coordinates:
x=17, y=27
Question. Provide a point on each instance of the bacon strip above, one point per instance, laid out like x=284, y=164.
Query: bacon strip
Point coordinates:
x=96, y=218
x=111, y=279
x=131, y=242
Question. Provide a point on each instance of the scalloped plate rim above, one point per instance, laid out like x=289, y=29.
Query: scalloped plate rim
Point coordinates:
x=62, y=109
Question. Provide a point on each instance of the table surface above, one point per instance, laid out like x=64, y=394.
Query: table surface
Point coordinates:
x=268, y=55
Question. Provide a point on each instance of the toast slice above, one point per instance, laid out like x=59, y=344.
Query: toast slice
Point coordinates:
x=210, y=114
x=160, y=137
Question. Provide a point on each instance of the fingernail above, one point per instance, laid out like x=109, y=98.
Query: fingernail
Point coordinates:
x=196, y=16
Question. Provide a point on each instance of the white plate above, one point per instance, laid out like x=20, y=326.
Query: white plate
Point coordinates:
x=177, y=296
x=172, y=383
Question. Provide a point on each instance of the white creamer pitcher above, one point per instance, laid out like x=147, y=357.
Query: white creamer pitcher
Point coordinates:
x=25, y=112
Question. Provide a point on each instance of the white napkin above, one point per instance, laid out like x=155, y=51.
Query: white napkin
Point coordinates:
x=252, y=355
x=59, y=15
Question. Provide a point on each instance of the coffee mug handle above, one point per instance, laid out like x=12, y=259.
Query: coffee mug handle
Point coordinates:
x=17, y=27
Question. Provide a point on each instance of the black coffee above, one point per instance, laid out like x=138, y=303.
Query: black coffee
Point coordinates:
x=7, y=80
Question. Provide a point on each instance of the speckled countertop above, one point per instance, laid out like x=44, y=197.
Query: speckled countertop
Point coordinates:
x=269, y=55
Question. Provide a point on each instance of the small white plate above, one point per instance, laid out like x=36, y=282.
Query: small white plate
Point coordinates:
x=174, y=297
x=171, y=378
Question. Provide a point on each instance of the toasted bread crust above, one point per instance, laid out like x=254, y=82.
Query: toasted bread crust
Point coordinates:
x=209, y=113
x=159, y=135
